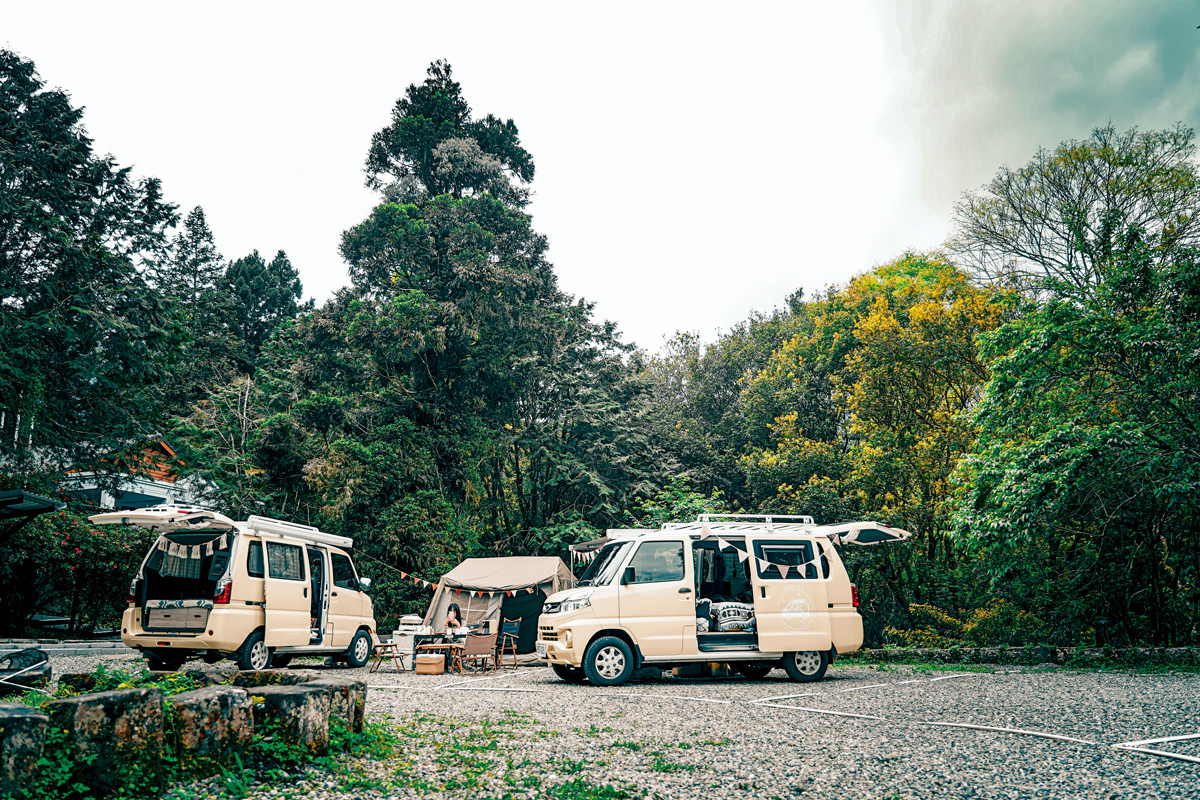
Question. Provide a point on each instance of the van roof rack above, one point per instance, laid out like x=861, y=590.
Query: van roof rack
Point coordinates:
x=749, y=523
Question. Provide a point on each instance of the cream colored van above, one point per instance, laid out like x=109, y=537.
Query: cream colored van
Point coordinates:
x=756, y=592
x=259, y=592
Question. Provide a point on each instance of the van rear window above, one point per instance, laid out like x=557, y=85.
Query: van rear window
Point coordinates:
x=254, y=561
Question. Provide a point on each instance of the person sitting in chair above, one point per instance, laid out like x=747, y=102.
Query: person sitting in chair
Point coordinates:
x=453, y=618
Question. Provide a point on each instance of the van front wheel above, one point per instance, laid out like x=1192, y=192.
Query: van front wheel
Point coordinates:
x=254, y=655
x=806, y=666
x=359, y=651
x=608, y=662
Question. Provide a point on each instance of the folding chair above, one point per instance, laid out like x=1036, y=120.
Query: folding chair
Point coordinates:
x=510, y=632
x=385, y=649
x=479, y=647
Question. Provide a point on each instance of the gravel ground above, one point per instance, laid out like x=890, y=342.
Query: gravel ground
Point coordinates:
x=683, y=738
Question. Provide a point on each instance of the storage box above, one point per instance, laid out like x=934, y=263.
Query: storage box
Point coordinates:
x=430, y=664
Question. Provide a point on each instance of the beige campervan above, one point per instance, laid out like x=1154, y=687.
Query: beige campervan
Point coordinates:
x=260, y=591
x=756, y=592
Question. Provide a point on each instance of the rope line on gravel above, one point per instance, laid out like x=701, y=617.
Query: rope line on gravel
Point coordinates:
x=476, y=680
x=1141, y=742
x=1164, y=753
x=1008, y=730
x=822, y=711
x=678, y=697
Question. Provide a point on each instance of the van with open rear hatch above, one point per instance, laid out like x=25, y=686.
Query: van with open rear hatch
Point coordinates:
x=755, y=592
x=259, y=592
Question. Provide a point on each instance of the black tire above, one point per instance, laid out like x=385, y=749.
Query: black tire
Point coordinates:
x=158, y=661
x=279, y=661
x=359, y=651
x=608, y=662
x=254, y=655
x=568, y=673
x=806, y=666
x=754, y=670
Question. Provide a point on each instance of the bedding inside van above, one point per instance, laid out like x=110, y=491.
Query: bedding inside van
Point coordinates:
x=175, y=571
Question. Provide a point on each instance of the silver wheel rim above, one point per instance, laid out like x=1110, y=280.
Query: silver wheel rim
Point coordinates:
x=610, y=662
x=361, y=649
x=808, y=662
x=259, y=655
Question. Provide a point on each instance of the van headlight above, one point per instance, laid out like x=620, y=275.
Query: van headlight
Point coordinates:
x=575, y=603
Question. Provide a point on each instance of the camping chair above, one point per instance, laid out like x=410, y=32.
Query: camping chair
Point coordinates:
x=510, y=632
x=479, y=647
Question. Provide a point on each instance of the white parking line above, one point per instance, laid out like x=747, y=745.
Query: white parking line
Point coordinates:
x=493, y=689
x=1010, y=730
x=860, y=688
x=477, y=680
x=822, y=711
x=679, y=697
x=1159, y=741
x=1162, y=753
x=785, y=697
x=963, y=675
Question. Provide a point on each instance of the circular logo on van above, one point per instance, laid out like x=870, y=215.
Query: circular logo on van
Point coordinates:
x=795, y=610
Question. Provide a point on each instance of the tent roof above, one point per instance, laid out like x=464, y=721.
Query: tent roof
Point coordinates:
x=508, y=572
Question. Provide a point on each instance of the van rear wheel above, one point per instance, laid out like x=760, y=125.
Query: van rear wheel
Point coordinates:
x=608, y=662
x=254, y=655
x=806, y=666
x=568, y=673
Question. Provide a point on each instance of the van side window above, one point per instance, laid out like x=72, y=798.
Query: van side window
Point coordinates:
x=285, y=561
x=343, y=572
x=658, y=561
x=794, y=557
x=254, y=560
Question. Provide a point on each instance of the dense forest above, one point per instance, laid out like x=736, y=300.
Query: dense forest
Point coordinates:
x=1023, y=399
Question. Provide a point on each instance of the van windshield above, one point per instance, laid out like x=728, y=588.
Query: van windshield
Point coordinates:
x=607, y=563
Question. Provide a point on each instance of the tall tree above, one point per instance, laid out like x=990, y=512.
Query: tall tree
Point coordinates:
x=1056, y=220
x=433, y=146
x=263, y=295
x=86, y=342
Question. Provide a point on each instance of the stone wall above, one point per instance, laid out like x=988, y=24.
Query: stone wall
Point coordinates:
x=113, y=733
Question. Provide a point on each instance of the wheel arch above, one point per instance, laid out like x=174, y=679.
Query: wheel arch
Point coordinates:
x=623, y=635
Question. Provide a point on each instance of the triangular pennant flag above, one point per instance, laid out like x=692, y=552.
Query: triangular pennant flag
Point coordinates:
x=721, y=543
x=403, y=574
x=742, y=555
x=530, y=590
x=434, y=585
x=705, y=532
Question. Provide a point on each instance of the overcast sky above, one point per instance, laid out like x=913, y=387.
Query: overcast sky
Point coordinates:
x=695, y=161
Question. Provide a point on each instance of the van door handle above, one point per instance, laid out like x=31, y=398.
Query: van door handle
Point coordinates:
x=334, y=594
x=763, y=589
x=684, y=590
x=306, y=591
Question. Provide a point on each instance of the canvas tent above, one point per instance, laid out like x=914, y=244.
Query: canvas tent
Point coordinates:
x=500, y=588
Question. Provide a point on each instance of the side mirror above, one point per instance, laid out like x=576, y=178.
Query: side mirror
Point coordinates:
x=628, y=576
x=364, y=584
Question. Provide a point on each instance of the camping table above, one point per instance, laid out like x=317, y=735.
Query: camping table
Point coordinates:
x=385, y=649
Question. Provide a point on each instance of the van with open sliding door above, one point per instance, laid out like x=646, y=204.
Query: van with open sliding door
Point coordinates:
x=756, y=592
x=259, y=592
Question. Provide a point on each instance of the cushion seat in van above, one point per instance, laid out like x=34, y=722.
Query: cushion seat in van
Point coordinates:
x=179, y=603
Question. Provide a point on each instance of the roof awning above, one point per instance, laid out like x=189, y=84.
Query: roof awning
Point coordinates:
x=17, y=508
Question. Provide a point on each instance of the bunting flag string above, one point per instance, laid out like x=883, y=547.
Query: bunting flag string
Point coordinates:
x=764, y=564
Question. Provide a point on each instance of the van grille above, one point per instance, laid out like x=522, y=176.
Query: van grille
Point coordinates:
x=547, y=634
